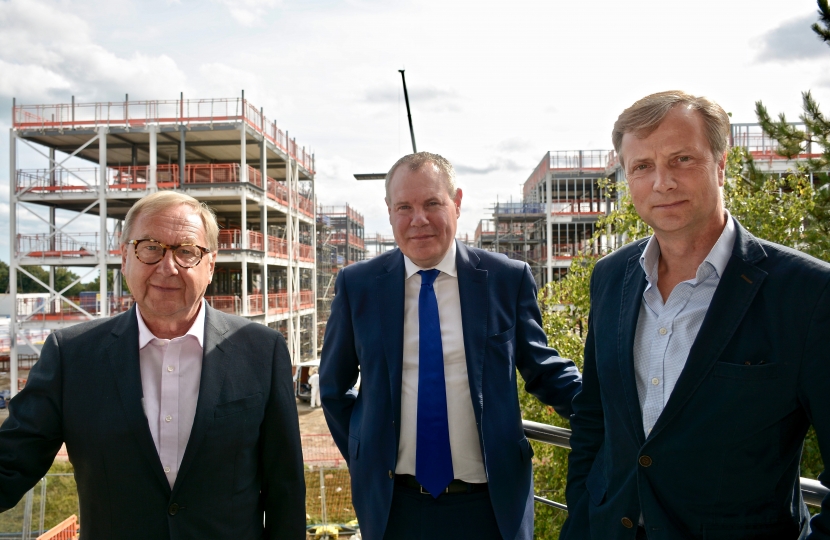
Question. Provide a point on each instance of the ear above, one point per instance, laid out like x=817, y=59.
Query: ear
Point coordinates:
x=722, y=168
x=457, y=201
x=125, y=248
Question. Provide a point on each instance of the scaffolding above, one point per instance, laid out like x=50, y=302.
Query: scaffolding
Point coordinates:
x=225, y=152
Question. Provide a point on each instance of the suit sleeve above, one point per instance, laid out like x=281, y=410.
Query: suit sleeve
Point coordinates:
x=548, y=376
x=815, y=375
x=339, y=367
x=32, y=434
x=588, y=432
x=283, y=483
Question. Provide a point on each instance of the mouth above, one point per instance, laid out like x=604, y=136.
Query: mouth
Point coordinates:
x=669, y=206
x=163, y=289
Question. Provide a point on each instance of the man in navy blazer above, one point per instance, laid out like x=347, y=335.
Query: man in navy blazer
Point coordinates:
x=706, y=357
x=490, y=325
x=179, y=420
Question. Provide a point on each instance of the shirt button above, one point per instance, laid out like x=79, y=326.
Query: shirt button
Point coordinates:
x=391, y=474
x=663, y=331
x=655, y=381
x=645, y=461
x=167, y=469
x=168, y=418
x=627, y=523
x=169, y=368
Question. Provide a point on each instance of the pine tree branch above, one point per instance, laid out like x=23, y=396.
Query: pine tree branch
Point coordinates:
x=822, y=28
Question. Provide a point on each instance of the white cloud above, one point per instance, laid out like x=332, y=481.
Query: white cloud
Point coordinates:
x=792, y=40
x=249, y=12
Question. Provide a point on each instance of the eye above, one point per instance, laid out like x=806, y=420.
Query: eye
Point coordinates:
x=185, y=251
x=684, y=159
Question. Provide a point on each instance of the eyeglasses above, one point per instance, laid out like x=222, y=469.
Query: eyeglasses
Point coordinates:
x=151, y=251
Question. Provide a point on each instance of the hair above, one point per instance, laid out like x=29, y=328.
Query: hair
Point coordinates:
x=162, y=200
x=418, y=160
x=648, y=113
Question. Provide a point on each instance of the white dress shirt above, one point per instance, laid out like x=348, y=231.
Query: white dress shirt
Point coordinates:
x=467, y=463
x=665, y=332
x=171, y=370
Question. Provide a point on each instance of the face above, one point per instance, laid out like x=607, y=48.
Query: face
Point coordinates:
x=674, y=179
x=424, y=217
x=167, y=294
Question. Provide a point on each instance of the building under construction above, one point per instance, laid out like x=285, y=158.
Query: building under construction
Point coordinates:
x=95, y=160
x=340, y=242
x=565, y=195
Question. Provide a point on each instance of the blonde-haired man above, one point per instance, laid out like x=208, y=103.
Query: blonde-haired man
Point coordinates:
x=180, y=420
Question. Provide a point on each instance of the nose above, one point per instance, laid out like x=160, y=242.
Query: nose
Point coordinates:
x=663, y=179
x=419, y=218
x=167, y=266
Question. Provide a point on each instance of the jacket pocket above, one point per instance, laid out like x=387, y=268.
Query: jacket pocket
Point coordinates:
x=596, y=484
x=502, y=337
x=757, y=372
x=237, y=405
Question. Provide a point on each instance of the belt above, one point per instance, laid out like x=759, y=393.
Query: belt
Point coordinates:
x=456, y=486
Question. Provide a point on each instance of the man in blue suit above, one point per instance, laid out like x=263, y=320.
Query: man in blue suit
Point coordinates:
x=436, y=329
x=706, y=357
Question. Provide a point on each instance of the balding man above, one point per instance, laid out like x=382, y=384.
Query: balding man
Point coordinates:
x=180, y=420
x=706, y=357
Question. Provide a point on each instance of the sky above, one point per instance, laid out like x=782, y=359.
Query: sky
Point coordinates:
x=493, y=86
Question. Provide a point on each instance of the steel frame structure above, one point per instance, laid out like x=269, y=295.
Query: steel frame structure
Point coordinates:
x=258, y=168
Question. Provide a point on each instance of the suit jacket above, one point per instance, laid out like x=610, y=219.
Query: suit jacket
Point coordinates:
x=243, y=460
x=722, y=461
x=502, y=331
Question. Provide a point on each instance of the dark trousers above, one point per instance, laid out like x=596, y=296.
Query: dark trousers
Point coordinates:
x=452, y=516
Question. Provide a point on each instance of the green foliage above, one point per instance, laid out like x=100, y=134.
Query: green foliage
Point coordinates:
x=769, y=207
x=61, y=501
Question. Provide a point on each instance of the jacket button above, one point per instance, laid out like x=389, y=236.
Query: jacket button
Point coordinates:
x=627, y=523
x=173, y=509
x=645, y=461
x=391, y=474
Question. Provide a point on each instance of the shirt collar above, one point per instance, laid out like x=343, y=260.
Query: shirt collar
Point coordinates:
x=447, y=264
x=717, y=258
x=196, y=330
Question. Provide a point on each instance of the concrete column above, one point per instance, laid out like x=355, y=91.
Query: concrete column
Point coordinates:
x=152, y=182
x=244, y=232
x=13, y=256
x=314, y=268
x=289, y=239
x=549, y=226
x=243, y=155
x=102, y=212
x=263, y=223
x=52, y=182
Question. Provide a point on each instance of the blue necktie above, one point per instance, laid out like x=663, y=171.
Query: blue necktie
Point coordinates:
x=433, y=458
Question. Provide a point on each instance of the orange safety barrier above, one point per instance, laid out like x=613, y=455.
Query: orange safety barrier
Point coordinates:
x=227, y=304
x=306, y=299
x=277, y=191
x=255, y=304
x=161, y=112
x=67, y=529
x=277, y=247
x=303, y=252
x=277, y=303
x=40, y=309
x=255, y=241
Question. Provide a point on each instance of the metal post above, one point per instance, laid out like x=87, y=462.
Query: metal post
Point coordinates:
x=289, y=240
x=27, y=515
x=52, y=167
x=152, y=180
x=323, y=497
x=182, y=157
x=549, y=226
x=40, y=528
x=314, y=268
x=408, y=113
x=103, y=246
x=13, y=256
x=243, y=156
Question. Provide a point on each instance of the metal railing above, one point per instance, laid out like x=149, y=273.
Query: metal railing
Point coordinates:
x=812, y=490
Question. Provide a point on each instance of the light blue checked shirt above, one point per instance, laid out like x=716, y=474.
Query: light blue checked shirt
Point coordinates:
x=665, y=332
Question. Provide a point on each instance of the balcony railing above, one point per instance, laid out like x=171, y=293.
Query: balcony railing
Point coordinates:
x=66, y=245
x=138, y=114
x=812, y=490
x=57, y=310
x=277, y=303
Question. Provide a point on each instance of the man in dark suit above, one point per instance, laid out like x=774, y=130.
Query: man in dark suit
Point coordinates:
x=179, y=420
x=706, y=357
x=436, y=329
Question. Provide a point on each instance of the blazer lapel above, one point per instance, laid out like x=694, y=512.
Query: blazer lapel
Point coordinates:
x=634, y=284
x=215, y=361
x=738, y=286
x=125, y=364
x=389, y=297
x=472, y=292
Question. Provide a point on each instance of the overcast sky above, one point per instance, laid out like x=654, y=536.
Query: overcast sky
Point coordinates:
x=493, y=85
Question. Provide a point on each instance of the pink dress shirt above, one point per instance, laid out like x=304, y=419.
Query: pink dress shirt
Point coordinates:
x=171, y=370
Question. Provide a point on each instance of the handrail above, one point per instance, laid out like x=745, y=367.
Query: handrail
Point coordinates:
x=813, y=491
